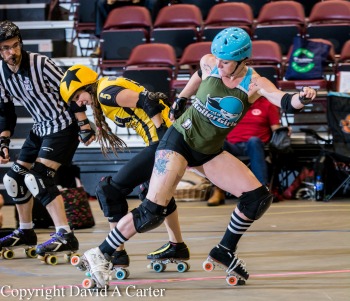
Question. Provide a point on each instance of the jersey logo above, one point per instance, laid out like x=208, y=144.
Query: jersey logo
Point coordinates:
x=223, y=112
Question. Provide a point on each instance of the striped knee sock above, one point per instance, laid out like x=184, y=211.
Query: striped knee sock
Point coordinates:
x=235, y=229
x=112, y=242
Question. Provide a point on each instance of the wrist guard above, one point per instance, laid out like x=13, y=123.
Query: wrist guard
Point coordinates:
x=85, y=135
x=303, y=99
x=4, y=143
x=178, y=107
x=149, y=102
x=83, y=122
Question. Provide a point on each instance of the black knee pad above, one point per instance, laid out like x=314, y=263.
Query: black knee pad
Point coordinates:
x=40, y=181
x=171, y=207
x=253, y=204
x=112, y=199
x=14, y=184
x=148, y=216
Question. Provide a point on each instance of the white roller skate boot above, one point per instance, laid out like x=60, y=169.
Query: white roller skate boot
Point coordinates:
x=99, y=268
x=227, y=259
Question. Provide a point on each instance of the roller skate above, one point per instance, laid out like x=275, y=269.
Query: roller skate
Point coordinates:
x=61, y=242
x=97, y=265
x=18, y=239
x=227, y=260
x=121, y=261
x=170, y=253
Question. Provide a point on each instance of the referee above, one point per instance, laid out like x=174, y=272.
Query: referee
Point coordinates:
x=33, y=80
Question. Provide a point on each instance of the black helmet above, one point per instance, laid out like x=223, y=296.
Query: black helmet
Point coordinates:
x=9, y=30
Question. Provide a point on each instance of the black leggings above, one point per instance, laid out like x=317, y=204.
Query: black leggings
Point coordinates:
x=137, y=171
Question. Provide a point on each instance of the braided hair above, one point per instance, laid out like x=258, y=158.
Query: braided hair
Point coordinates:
x=104, y=135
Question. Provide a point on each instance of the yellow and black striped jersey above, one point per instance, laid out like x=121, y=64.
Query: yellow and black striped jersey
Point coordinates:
x=134, y=118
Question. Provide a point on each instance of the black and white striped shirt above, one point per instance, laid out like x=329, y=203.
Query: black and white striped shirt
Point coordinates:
x=36, y=87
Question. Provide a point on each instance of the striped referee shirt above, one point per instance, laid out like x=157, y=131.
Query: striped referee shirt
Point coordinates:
x=36, y=87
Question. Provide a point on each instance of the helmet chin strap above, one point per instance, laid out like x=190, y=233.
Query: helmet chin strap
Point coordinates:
x=238, y=64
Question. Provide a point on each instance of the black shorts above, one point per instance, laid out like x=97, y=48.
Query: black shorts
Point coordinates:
x=58, y=147
x=174, y=141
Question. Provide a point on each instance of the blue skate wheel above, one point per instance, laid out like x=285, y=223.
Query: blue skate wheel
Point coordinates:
x=120, y=274
x=158, y=267
x=182, y=267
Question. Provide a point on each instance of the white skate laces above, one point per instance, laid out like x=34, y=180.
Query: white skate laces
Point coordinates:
x=236, y=262
x=99, y=267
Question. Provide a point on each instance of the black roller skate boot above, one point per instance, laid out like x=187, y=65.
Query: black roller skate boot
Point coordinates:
x=227, y=259
x=61, y=242
x=120, y=259
x=19, y=238
x=170, y=253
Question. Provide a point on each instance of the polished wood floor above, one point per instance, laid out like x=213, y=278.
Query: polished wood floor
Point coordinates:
x=299, y=250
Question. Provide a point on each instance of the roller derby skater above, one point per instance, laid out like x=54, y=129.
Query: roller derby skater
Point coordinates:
x=19, y=239
x=61, y=242
x=125, y=108
x=33, y=80
x=177, y=253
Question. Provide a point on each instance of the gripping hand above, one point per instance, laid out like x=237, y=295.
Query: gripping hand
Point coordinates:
x=178, y=107
x=149, y=102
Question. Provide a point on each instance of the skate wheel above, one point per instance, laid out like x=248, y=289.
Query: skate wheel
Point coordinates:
x=158, y=267
x=232, y=280
x=208, y=266
x=31, y=253
x=75, y=260
x=121, y=274
x=8, y=254
x=88, y=274
x=182, y=267
x=51, y=259
x=127, y=274
x=88, y=283
x=150, y=266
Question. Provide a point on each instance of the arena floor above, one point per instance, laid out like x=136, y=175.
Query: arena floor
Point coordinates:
x=300, y=250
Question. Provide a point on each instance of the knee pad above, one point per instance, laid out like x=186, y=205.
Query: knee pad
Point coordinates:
x=171, y=207
x=148, y=216
x=253, y=204
x=40, y=181
x=112, y=199
x=14, y=184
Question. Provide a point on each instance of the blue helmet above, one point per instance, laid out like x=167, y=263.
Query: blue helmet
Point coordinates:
x=232, y=44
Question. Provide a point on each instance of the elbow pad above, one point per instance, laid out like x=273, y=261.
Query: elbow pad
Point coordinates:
x=286, y=104
x=8, y=117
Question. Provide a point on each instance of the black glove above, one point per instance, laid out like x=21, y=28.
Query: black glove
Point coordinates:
x=149, y=102
x=4, y=143
x=180, y=107
x=85, y=135
x=303, y=99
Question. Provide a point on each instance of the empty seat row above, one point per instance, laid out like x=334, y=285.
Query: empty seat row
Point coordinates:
x=155, y=66
x=180, y=25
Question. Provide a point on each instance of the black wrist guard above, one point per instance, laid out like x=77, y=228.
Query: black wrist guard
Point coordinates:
x=303, y=99
x=286, y=104
x=149, y=102
x=4, y=143
x=85, y=135
x=179, y=107
x=83, y=122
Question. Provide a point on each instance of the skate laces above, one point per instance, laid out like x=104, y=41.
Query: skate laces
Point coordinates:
x=237, y=262
x=15, y=233
x=55, y=237
x=101, y=265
